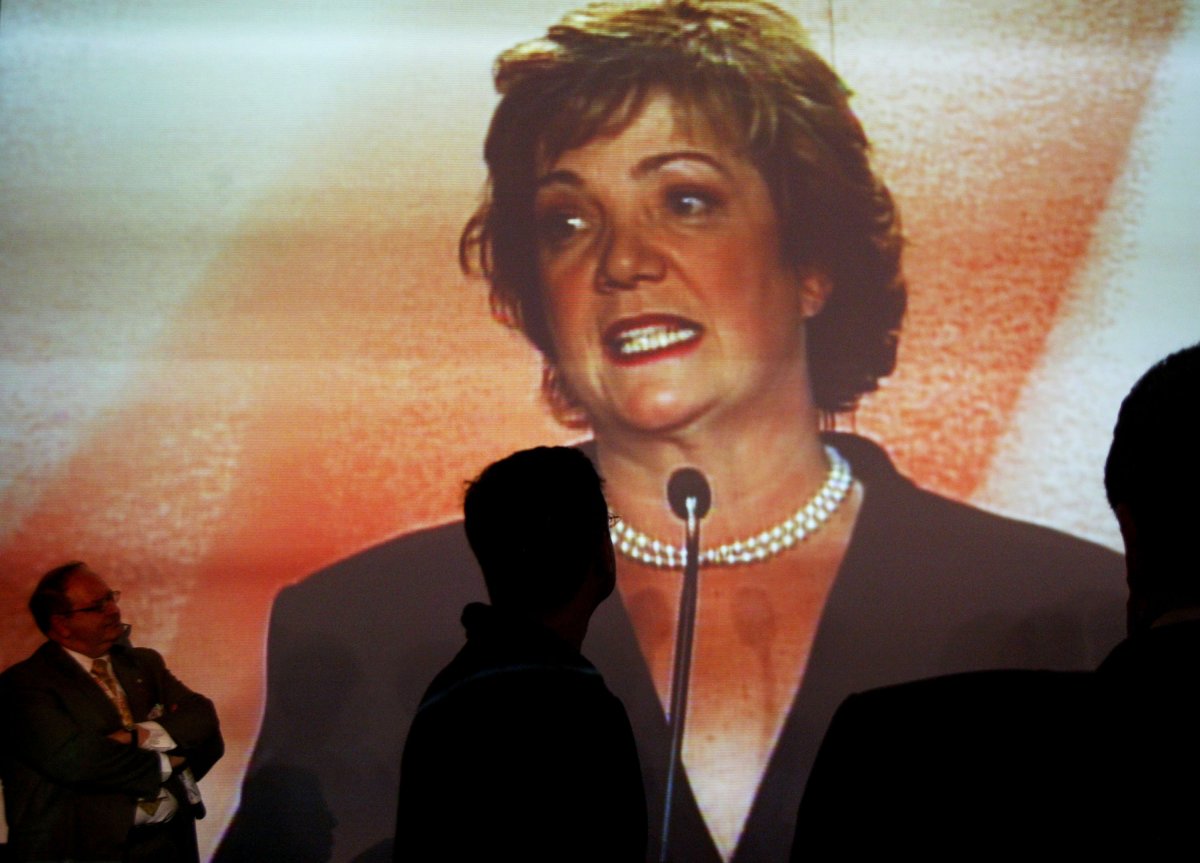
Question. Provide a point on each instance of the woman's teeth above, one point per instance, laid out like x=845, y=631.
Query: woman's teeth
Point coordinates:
x=655, y=338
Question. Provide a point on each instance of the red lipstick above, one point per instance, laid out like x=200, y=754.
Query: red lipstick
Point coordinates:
x=645, y=338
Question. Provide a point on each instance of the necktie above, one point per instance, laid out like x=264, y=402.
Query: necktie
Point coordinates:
x=104, y=677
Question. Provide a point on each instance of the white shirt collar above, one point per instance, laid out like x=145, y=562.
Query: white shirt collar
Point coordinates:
x=85, y=662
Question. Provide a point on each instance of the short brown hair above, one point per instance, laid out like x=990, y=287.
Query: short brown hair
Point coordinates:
x=50, y=596
x=744, y=67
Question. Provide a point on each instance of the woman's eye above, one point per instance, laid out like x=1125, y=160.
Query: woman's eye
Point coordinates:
x=690, y=203
x=557, y=227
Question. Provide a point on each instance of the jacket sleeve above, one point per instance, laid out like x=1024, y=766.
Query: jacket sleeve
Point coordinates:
x=189, y=717
x=59, y=736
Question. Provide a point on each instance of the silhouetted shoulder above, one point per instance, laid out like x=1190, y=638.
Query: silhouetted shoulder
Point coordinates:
x=1000, y=759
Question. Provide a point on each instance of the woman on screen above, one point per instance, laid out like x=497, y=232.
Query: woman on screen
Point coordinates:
x=682, y=218
x=684, y=221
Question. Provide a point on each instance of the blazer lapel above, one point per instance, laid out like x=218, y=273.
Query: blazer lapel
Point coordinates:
x=81, y=688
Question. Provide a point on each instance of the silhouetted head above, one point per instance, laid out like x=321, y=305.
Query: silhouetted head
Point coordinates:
x=538, y=524
x=76, y=608
x=742, y=70
x=1152, y=479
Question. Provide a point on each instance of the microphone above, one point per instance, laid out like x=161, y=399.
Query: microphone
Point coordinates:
x=688, y=493
x=690, y=497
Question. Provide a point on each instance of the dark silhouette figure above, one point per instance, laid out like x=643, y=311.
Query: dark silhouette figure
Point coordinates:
x=518, y=750
x=1018, y=760
x=1151, y=682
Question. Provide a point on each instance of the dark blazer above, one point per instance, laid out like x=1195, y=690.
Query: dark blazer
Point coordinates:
x=69, y=791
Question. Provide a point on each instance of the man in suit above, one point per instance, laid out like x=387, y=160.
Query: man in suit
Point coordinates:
x=1014, y=760
x=102, y=745
x=519, y=750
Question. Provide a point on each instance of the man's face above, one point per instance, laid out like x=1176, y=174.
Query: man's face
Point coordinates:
x=94, y=623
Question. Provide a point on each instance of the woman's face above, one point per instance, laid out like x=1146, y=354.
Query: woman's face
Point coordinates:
x=667, y=298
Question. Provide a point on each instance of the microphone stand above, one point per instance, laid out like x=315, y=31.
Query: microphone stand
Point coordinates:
x=689, y=495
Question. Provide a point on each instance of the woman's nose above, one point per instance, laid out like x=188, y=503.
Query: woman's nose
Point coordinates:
x=628, y=259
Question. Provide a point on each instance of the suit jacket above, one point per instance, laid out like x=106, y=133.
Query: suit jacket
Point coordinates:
x=69, y=791
x=928, y=586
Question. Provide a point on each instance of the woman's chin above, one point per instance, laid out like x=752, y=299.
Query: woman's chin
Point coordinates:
x=652, y=413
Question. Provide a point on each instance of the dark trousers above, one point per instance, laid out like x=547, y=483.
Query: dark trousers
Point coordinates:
x=172, y=842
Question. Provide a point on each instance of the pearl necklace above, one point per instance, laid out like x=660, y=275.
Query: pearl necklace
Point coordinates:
x=774, y=540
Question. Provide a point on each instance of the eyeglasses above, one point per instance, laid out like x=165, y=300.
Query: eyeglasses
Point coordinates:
x=113, y=596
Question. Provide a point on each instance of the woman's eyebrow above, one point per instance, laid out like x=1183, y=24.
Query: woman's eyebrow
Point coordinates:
x=648, y=165
x=659, y=160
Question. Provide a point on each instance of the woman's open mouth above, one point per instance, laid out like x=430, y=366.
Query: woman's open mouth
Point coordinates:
x=650, y=337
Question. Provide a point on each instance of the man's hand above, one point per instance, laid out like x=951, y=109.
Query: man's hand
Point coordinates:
x=125, y=737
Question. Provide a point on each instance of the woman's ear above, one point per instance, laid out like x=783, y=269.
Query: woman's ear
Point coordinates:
x=815, y=287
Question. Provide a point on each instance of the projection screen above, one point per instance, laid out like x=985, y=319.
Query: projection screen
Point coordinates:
x=238, y=347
